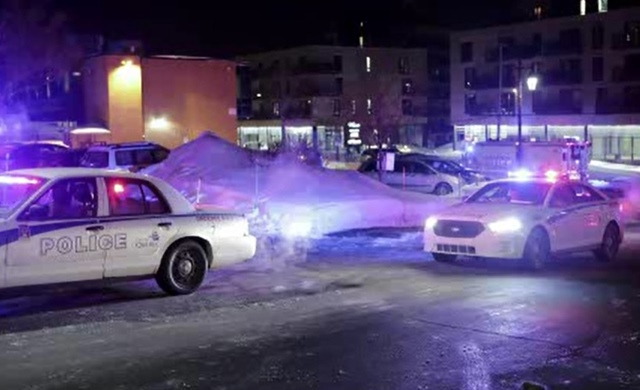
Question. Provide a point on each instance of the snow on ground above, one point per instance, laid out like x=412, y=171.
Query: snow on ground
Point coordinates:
x=281, y=195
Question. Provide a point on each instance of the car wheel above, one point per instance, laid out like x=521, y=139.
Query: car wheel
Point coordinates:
x=610, y=244
x=536, y=250
x=443, y=189
x=183, y=268
x=444, y=257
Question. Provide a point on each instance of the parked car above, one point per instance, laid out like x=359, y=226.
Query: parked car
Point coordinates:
x=126, y=156
x=449, y=167
x=413, y=175
x=23, y=155
x=73, y=224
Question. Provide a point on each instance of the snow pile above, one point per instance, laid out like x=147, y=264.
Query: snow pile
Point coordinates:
x=281, y=195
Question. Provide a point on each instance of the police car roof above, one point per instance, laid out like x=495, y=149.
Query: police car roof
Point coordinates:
x=54, y=173
x=534, y=180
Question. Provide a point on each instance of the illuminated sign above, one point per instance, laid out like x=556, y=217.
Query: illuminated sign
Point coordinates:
x=352, y=136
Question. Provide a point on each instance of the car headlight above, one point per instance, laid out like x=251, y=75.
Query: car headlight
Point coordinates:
x=430, y=223
x=507, y=225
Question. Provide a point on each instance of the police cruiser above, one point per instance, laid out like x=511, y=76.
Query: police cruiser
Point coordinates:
x=71, y=224
x=527, y=218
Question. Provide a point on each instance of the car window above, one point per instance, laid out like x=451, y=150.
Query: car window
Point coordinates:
x=144, y=157
x=563, y=196
x=160, y=154
x=125, y=158
x=66, y=199
x=584, y=194
x=511, y=192
x=134, y=197
x=15, y=190
x=401, y=166
x=95, y=159
x=419, y=168
x=444, y=167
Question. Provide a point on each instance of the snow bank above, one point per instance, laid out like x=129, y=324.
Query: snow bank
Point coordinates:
x=281, y=195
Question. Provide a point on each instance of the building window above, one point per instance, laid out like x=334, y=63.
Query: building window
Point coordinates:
x=407, y=87
x=601, y=100
x=597, y=37
x=469, y=77
x=337, y=109
x=368, y=64
x=597, y=69
x=407, y=107
x=276, y=108
x=537, y=12
x=337, y=63
x=369, y=107
x=339, y=83
x=354, y=107
x=470, y=103
x=466, y=52
x=403, y=65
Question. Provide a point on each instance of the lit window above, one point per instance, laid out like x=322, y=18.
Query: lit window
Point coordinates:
x=353, y=107
x=369, y=107
x=537, y=11
x=276, y=108
x=368, y=60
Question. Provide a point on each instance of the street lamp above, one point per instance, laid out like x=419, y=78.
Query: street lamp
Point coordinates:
x=532, y=84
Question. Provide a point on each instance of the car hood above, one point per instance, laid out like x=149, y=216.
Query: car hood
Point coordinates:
x=487, y=212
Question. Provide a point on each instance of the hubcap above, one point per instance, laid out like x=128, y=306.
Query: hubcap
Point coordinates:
x=185, y=267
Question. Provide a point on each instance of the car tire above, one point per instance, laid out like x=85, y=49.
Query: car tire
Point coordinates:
x=610, y=244
x=183, y=268
x=444, y=257
x=443, y=189
x=537, y=251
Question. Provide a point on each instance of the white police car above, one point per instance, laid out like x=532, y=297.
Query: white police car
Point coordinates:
x=529, y=219
x=72, y=224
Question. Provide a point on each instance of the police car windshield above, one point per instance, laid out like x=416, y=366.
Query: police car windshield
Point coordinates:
x=512, y=192
x=15, y=190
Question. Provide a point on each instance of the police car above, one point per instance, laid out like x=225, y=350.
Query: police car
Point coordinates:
x=527, y=218
x=71, y=224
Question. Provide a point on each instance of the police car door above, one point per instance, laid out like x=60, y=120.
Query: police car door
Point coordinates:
x=59, y=238
x=568, y=223
x=139, y=211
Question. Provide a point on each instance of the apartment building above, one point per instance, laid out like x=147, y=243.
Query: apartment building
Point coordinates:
x=345, y=97
x=588, y=67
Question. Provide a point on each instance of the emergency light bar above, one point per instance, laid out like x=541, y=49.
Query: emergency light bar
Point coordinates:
x=527, y=174
x=17, y=180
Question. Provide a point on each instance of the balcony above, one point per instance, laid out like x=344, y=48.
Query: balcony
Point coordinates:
x=556, y=107
x=562, y=77
x=289, y=113
x=513, y=52
x=618, y=106
x=622, y=41
x=562, y=47
x=316, y=68
x=622, y=74
x=314, y=91
x=482, y=109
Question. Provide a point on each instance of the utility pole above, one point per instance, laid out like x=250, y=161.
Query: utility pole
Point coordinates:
x=500, y=47
x=519, y=108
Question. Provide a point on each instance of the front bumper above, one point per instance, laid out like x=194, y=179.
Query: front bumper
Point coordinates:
x=486, y=244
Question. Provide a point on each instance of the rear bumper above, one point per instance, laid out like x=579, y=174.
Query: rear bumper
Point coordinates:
x=233, y=250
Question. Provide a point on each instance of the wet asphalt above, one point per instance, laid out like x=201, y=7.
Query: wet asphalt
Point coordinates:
x=337, y=316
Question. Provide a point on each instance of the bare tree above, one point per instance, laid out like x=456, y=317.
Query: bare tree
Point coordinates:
x=35, y=50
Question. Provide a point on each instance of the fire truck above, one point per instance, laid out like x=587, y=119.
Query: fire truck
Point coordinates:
x=497, y=159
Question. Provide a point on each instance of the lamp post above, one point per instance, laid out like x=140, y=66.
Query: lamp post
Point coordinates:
x=532, y=84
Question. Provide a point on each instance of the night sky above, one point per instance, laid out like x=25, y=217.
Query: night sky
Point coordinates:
x=206, y=28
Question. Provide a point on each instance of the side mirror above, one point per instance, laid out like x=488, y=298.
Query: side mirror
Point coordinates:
x=36, y=212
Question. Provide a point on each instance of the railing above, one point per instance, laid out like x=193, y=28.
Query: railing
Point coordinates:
x=620, y=42
x=562, y=77
x=316, y=68
x=553, y=48
x=623, y=74
x=617, y=106
x=557, y=107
